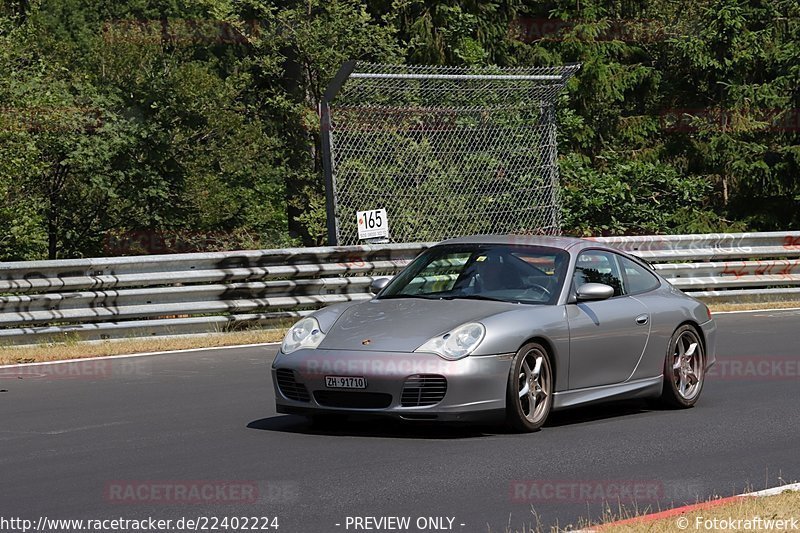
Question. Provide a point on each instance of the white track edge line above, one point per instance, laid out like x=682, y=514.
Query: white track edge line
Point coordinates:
x=144, y=354
x=188, y=350
x=791, y=487
x=755, y=310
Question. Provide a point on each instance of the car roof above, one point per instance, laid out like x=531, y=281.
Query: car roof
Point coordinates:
x=565, y=243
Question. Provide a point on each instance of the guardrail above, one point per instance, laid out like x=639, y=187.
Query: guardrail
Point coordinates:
x=106, y=298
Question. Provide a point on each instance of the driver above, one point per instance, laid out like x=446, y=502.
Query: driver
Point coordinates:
x=494, y=274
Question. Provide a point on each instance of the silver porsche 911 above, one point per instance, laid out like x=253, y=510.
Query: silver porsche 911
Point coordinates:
x=499, y=327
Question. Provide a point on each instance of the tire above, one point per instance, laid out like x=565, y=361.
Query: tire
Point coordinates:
x=529, y=394
x=684, y=368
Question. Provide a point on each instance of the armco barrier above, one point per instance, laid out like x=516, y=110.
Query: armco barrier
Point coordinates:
x=108, y=298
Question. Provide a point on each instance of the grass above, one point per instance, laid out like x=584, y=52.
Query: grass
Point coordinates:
x=753, y=306
x=72, y=349
x=784, y=506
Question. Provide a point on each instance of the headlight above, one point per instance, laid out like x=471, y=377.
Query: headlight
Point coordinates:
x=456, y=344
x=304, y=334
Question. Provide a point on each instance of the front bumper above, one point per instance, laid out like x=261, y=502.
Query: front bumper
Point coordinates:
x=475, y=385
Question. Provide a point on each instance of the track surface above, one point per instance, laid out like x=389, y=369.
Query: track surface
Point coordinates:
x=209, y=415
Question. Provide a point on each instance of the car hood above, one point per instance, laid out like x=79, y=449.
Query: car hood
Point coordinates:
x=403, y=324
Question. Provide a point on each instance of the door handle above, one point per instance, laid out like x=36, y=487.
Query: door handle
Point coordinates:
x=642, y=320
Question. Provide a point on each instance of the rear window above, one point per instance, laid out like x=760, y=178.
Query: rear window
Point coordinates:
x=638, y=278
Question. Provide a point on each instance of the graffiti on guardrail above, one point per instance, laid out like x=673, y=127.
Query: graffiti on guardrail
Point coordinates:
x=191, y=293
x=734, y=245
x=735, y=269
x=792, y=242
x=766, y=268
x=736, y=272
x=777, y=267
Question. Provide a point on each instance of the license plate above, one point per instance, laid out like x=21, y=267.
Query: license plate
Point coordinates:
x=345, y=382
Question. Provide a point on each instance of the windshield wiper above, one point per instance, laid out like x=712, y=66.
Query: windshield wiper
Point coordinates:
x=392, y=296
x=480, y=297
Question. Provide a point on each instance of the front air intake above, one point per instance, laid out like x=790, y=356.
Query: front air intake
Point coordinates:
x=423, y=389
x=289, y=387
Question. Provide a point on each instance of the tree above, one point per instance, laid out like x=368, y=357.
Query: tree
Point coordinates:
x=312, y=39
x=200, y=118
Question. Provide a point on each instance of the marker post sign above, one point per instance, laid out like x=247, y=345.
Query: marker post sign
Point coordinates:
x=372, y=224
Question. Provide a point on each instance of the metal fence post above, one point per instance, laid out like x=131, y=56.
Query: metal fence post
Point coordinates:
x=327, y=149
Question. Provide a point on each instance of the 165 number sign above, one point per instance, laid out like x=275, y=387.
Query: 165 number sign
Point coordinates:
x=372, y=224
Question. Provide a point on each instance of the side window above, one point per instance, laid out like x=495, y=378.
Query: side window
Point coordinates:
x=595, y=266
x=638, y=278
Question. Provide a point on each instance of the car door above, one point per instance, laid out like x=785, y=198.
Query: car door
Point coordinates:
x=607, y=337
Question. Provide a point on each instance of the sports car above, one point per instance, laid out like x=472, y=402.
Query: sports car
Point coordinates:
x=504, y=328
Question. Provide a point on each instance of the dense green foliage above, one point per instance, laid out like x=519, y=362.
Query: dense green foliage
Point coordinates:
x=198, y=118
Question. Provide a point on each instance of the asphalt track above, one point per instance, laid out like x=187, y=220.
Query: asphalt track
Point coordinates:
x=67, y=434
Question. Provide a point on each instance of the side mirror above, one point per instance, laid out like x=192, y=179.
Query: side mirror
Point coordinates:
x=378, y=284
x=594, y=291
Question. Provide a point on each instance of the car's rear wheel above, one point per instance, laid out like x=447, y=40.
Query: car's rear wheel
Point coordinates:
x=684, y=368
x=530, y=388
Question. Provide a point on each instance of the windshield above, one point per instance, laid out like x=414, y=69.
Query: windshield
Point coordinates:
x=517, y=274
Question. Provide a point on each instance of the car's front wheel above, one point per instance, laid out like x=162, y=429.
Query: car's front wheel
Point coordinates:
x=530, y=388
x=684, y=368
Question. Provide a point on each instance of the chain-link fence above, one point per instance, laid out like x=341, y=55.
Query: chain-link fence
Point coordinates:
x=447, y=151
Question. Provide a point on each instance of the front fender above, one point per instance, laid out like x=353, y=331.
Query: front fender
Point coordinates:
x=507, y=332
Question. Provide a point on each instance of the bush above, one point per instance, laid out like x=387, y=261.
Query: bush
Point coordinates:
x=634, y=198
